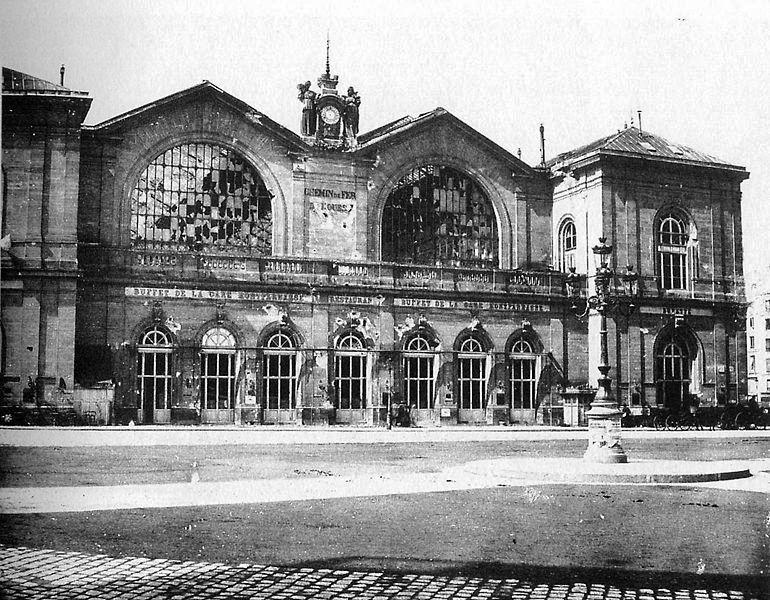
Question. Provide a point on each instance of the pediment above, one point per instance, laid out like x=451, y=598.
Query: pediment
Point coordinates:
x=203, y=93
x=412, y=128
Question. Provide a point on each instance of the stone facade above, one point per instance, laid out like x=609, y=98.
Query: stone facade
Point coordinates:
x=179, y=305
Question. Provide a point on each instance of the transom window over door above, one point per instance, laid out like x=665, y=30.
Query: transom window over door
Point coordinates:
x=523, y=375
x=471, y=375
x=350, y=372
x=436, y=215
x=200, y=195
x=154, y=370
x=218, y=370
x=418, y=373
x=672, y=252
x=279, y=372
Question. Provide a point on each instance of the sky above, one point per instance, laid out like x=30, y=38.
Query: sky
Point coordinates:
x=698, y=70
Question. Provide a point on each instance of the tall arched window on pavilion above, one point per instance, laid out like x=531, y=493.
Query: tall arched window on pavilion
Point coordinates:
x=418, y=373
x=672, y=247
x=279, y=375
x=523, y=375
x=154, y=375
x=199, y=195
x=472, y=375
x=350, y=372
x=436, y=215
x=218, y=374
x=567, y=249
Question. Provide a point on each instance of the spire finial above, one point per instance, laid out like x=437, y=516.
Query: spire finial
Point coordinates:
x=328, y=73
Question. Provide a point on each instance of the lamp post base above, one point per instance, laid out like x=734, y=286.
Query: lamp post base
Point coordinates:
x=604, y=436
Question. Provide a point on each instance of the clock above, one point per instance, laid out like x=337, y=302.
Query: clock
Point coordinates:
x=330, y=115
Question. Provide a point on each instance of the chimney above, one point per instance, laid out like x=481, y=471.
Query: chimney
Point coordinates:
x=542, y=144
x=639, y=112
x=61, y=73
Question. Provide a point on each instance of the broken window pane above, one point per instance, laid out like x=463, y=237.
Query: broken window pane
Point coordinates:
x=436, y=215
x=201, y=195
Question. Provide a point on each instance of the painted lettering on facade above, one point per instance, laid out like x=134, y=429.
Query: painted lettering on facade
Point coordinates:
x=314, y=192
x=469, y=305
x=360, y=300
x=195, y=294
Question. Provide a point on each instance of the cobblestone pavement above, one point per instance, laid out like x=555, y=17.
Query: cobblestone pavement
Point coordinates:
x=30, y=574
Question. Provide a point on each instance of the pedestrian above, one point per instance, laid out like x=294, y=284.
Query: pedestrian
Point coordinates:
x=413, y=415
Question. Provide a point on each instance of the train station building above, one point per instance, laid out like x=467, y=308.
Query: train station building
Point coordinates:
x=216, y=266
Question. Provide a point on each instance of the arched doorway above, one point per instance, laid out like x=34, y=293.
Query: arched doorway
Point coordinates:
x=351, y=378
x=419, y=376
x=472, y=374
x=219, y=373
x=279, y=378
x=154, y=368
x=676, y=368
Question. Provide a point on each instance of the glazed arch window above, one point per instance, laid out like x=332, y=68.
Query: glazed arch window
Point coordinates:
x=471, y=374
x=418, y=373
x=436, y=215
x=567, y=245
x=200, y=196
x=279, y=372
x=218, y=370
x=673, y=252
x=350, y=372
x=154, y=370
x=523, y=375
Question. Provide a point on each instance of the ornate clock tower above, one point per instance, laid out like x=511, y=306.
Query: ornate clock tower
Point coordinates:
x=329, y=120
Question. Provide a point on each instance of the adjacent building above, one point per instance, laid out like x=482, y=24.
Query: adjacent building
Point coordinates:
x=212, y=263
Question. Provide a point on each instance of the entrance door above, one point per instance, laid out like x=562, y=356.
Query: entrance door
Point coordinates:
x=218, y=376
x=472, y=382
x=154, y=376
x=350, y=379
x=674, y=375
x=418, y=379
x=279, y=379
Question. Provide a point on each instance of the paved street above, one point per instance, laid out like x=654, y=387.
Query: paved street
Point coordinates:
x=28, y=574
x=419, y=514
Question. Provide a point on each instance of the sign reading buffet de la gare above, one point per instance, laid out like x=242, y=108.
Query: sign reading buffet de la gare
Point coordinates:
x=417, y=303
x=193, y=294
x=469, y=304
x=331, y=222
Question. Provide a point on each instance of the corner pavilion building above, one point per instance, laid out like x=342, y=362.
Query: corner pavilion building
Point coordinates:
x=211, y=262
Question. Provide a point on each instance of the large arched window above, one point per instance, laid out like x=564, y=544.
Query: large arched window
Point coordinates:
x=567, y=249
x=436, y=215
x=200, y=195
x=672, y=252
x=523, y=375
x=418, y=373
x=350, y=372
x=279, y=372
x=154, y=373
x=471, y=374
x=218, y=370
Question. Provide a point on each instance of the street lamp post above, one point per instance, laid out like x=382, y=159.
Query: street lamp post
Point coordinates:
x=604, y=430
